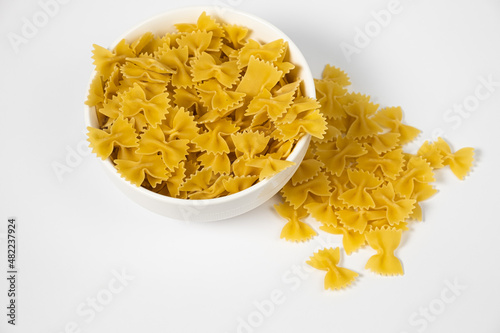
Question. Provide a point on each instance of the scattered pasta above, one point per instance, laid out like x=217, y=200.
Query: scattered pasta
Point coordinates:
x=358, y=182
x=199, y=113
x=336, y=277
x=206, y=111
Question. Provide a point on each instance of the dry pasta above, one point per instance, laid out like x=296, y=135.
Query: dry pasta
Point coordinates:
x=336, y=277
x=358, y=182
x=199, y=113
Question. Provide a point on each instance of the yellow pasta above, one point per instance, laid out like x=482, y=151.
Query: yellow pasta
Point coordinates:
x=384, y=241
x=134, y=101
x=358, y=196
x=439, y=154
x=201, y=112
x=295, y=230
x=357, y=181
x=337, y=155
x=120, y=133
x=205, y=112
x=336, y=277
x=259, y=75
x=397, y=210
x=267, y=52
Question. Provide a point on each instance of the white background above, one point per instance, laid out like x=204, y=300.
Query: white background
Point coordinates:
x=75, y=230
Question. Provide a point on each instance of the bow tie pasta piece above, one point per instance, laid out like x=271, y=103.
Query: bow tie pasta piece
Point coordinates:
x=249, y=144
x=397, y=210
x=383, y=143
x=219, y=163
x=363, y=125
x=205, y=67
x=357, y=219
x=328, y=91
x=188, y=99
x=322, y=211
x=215, y=97
x=301, y=106
x=311, y=122
x=106, y=60
x=139, y=44
x=177, y=59
x=235, y=34
x=384, y=241
x=258, y=76
x=335, y=155
x=147, y=69
x=179, y=124
x=390, y=163
x=336, y=75
x=268, y=52
x=336, y=277
x=439, y=154
x=240, y=168
x=294, y=230
x=121, y=133
x=204, y=23
x=417, y=169
x=430, y=152
x=358, y=196
x=196, y=42
x=134, y=101
x=212, y=142
x=274, y=106
x=269, y=165
x=173, y=152
x=391, y=118
x=135, y=171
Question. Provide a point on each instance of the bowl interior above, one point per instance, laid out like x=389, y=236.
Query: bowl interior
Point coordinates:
x=259, y=30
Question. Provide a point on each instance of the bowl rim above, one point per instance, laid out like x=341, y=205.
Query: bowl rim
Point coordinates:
x=301, y=144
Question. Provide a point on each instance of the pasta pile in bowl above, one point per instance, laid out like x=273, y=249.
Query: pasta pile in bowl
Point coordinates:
x=202, y=113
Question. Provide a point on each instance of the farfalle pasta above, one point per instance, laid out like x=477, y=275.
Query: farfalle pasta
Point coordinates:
x=357, y=181
x=336, y=277
x=199, y=113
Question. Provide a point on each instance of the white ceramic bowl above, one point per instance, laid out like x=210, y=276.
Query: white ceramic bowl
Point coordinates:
x=234, y=204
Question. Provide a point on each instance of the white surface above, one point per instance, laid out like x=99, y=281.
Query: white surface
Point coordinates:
x=243, y=201
x=203, y=277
